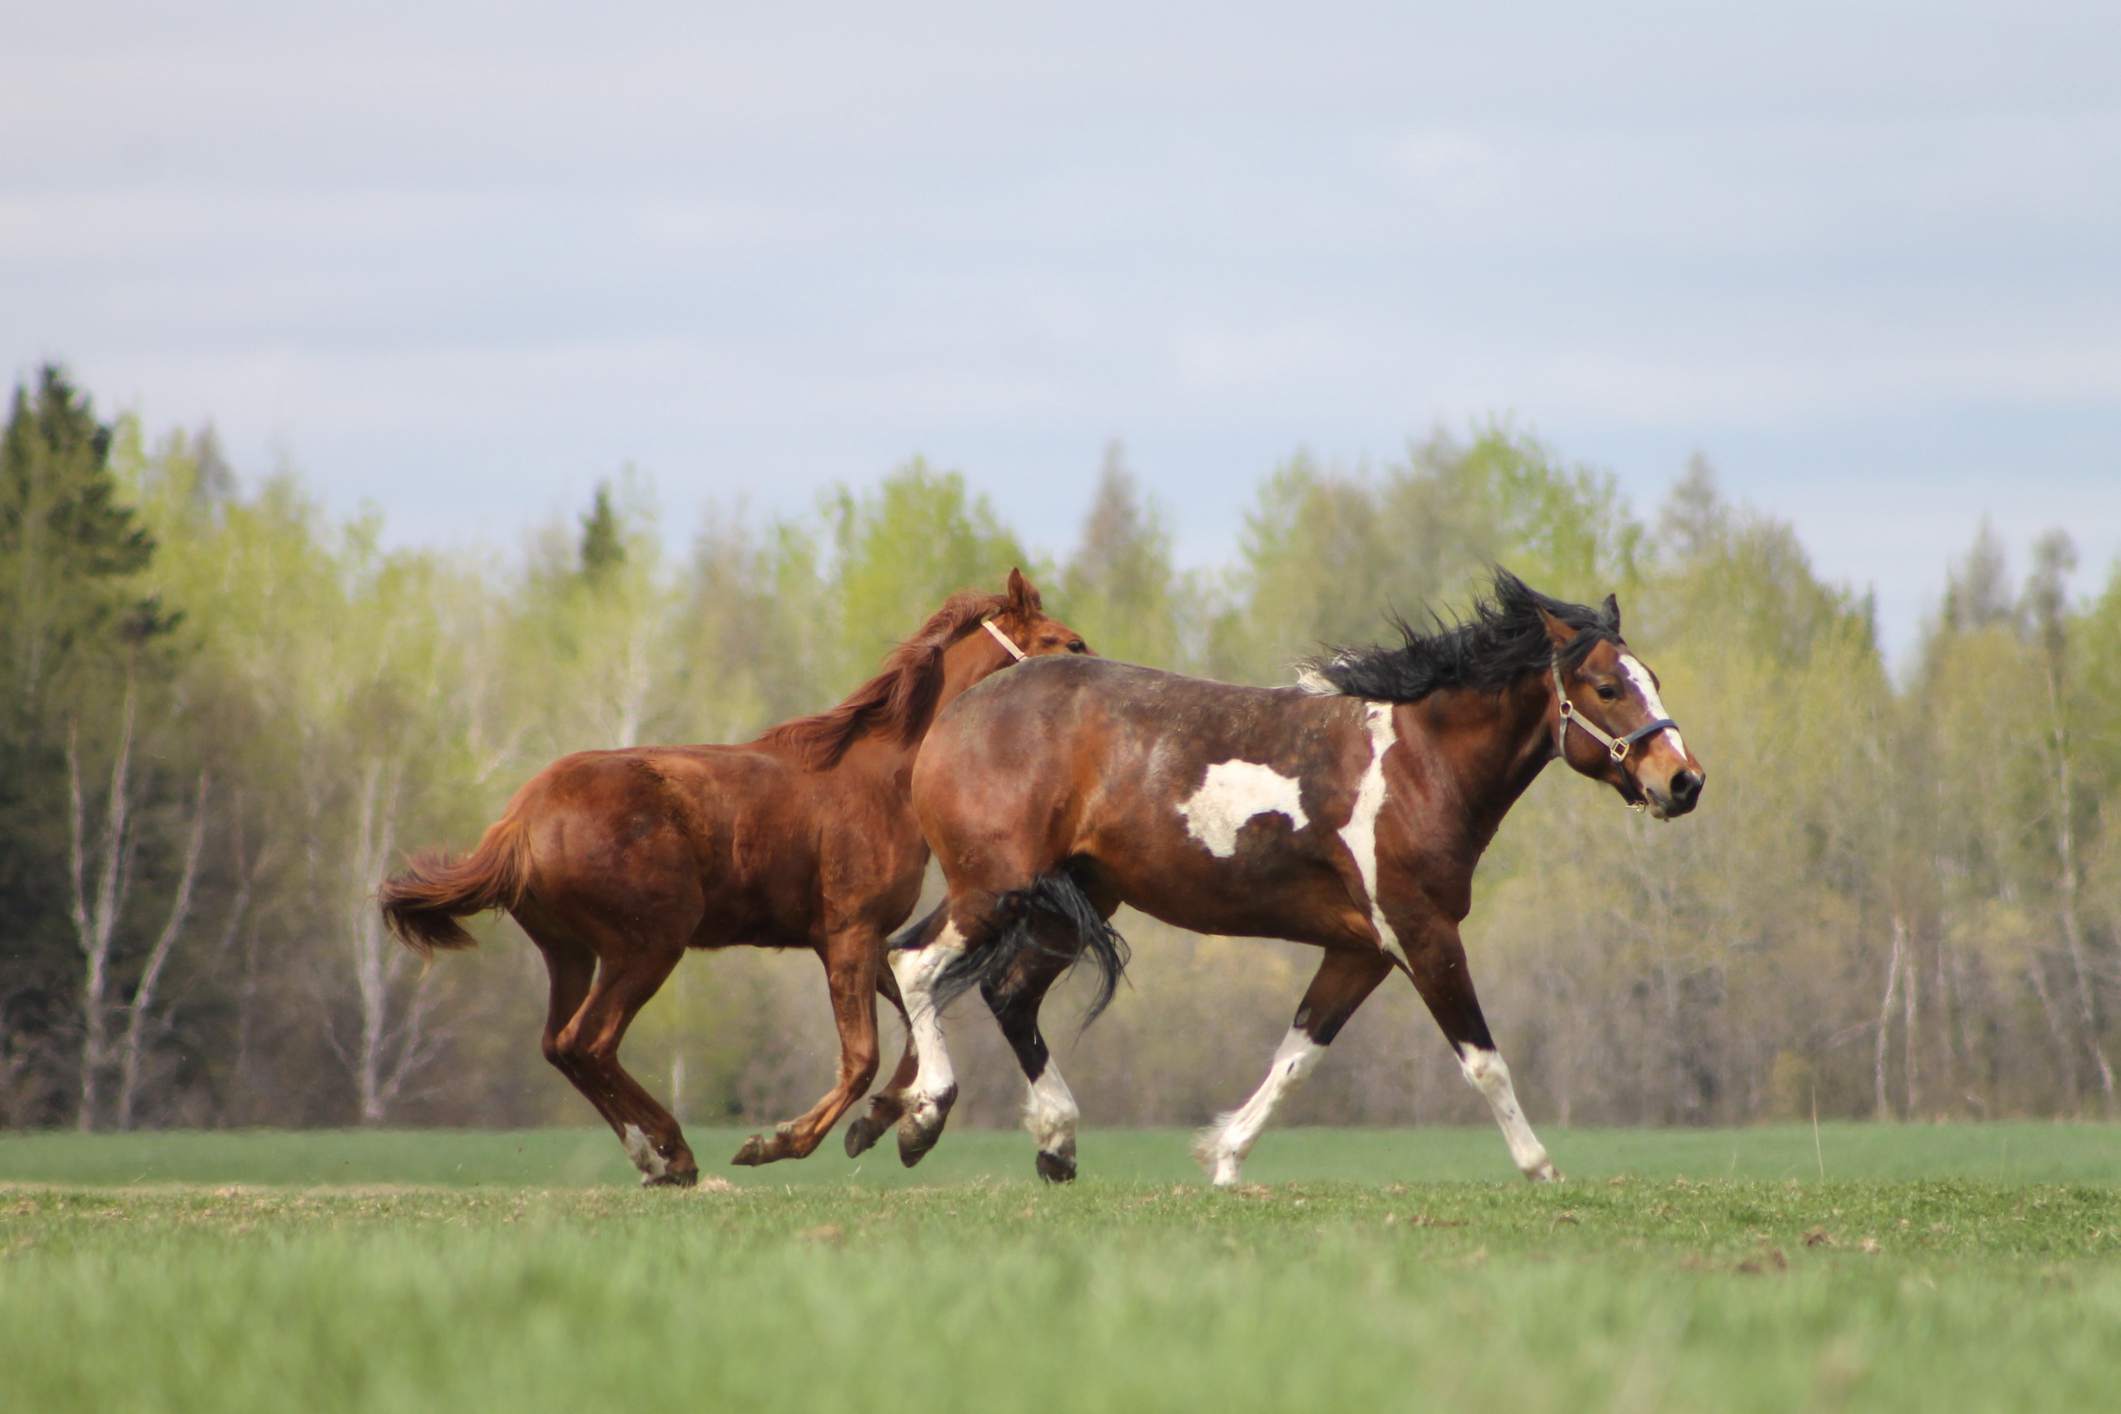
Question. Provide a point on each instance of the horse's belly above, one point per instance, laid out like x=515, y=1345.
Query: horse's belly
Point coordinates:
x=1267, y=891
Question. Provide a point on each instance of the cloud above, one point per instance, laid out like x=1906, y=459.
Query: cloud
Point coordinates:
x=483, y=247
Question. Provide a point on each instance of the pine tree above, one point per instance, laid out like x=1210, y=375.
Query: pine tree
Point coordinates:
x=74, y=624
x=603, y=539
x=1118, y=588
x=68, y=545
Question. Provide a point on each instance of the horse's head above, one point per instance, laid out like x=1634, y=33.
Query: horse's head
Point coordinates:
x=1022, y=621
x=1609, y=723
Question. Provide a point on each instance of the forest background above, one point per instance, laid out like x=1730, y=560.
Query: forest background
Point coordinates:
x=225, y=714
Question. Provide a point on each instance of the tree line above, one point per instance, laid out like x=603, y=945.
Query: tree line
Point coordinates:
x=228, y=713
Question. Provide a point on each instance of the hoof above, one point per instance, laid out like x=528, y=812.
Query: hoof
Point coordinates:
x=863, y=1133
x=922, y=1125
x=1056, y=1168
x=1545, y=1173
x=674, y=1178
x=914, y=1144
x=768, y=1148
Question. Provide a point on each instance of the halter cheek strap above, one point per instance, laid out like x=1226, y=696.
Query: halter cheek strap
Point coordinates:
x=1003, y=639
x=1616, y=747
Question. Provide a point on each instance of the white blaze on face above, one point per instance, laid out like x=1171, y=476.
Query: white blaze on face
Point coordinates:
x=1360, y=833
x=1223, y=1145
x=642, y=1152
x=1234, y=792
x=1647, y=686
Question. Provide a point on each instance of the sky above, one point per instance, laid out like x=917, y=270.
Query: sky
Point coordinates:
x=460, y=261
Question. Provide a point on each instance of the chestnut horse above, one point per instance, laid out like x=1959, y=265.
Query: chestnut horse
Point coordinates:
x=616, y=862
x=1347, y=812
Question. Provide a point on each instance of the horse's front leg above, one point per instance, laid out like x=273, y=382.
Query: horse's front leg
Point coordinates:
x=852, y=960
x=889, y=1103
x=1437, y=964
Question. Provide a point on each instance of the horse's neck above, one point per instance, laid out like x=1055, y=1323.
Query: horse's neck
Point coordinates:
x=1493, y=747
x=886, y=753
x=966, y=663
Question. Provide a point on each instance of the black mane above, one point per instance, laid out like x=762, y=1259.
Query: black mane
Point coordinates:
x=1498, y=643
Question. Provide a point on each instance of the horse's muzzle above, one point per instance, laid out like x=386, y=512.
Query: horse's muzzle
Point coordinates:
x=1680, y=794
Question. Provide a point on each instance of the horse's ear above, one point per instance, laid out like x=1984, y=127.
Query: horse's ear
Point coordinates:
x=1612, y=612
x=1023, y=596
x=1558, y=633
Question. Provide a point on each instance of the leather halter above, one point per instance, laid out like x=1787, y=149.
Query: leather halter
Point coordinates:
x=1616, y=747
x=1003, y=639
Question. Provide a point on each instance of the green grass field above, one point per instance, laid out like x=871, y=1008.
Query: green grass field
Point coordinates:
x=1935, y=1268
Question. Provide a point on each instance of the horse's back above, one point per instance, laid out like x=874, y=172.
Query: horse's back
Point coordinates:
x=1154, y=776
x=665, y=829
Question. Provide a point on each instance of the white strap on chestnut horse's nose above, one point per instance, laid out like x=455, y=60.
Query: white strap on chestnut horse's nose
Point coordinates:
x=1003, y=639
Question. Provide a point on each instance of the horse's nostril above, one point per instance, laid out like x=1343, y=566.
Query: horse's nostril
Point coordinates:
x=1686, y=785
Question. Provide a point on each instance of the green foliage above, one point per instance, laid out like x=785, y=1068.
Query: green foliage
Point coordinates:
x=1325, y=553
x=1901, y=896
x=70, y=544
x=82, y=629
x=1120, y=589
x=898, y=550
x=603, y=543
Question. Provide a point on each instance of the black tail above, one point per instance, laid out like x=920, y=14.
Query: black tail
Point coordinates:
x=1017, y=913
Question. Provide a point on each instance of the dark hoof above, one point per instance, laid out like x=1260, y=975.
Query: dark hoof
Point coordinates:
x=914, y=1144
x=921, y=1126
x=1056, y=1168
x=863, y=1133
x=675, y=1178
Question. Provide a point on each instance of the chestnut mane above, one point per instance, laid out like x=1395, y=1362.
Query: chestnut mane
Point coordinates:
x=900, y=698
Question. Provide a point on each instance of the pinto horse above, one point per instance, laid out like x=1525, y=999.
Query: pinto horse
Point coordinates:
x=616, y=862
x=1347, y=812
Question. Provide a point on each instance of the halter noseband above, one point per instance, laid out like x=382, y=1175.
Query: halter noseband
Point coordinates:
x=1003, y=639
x=1616, y=747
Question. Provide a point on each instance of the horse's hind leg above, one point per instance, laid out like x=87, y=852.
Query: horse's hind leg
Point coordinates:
x=887, y=1104
x=1343, y=980
x=571, y=968
x=1009, y=908
x=852, y=961
x=1049, y=1107
x=938, y=940
x=588, y=1053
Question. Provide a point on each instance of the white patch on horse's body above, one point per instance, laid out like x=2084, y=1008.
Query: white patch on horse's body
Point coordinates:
x=1237, y=791
x=1647, y=686
x=1486, y=1072
x=1050, y=1113
x=1360, y=833
x=1222, y=1146
x=642, y=1152
x=916, y=970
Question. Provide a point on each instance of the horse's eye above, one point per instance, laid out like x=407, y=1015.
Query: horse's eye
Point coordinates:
x=1607, y=692
x=1076, y=645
